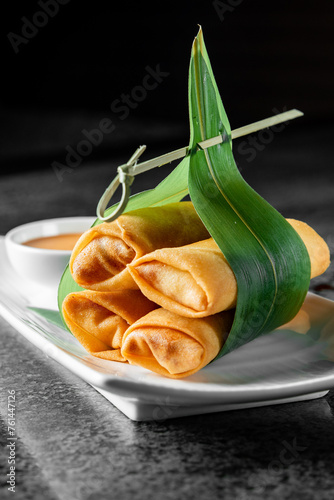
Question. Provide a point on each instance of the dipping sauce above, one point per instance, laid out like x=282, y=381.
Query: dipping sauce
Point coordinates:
x=58, y=242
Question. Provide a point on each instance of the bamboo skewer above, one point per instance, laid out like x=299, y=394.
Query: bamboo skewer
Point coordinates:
x=126, y=173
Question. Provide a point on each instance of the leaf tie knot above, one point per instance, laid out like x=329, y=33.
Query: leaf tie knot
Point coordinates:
x=125, y=179
x=124, y=176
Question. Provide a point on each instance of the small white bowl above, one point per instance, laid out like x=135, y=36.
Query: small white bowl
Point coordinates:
x=40, y=265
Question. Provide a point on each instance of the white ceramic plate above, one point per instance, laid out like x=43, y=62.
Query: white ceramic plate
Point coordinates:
x=274, y=369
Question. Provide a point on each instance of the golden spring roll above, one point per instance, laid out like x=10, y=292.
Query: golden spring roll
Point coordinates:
x=196, y=280
x=175, y=346
x=99, y=319
x=299, y=324
x=316, y=317
x=100, y=257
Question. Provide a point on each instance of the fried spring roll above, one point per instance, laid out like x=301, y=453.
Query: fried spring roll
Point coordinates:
x=196, y=280
x=175, y=346
x=100, y=257
x=99, y=319
x=299, y=324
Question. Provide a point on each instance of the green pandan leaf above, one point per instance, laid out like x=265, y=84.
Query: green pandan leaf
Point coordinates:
x=269, y=259
x=50, y=315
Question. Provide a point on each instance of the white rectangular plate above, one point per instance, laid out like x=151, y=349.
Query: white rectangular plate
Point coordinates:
x=276, y=368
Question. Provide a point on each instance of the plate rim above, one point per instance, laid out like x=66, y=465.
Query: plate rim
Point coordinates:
x=166, y=390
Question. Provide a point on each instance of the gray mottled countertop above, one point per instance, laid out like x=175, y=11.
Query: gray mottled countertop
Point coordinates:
x=73, y=444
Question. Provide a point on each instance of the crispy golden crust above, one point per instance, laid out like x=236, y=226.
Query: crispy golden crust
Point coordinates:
x=172, y=345
x=99, y=319
x=100, y=257
x=197, y=281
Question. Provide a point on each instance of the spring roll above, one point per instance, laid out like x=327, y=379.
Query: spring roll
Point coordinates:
x=99, y=319
x=175, y=346
x=299, y=324
x=197, y=281
x=100, y=257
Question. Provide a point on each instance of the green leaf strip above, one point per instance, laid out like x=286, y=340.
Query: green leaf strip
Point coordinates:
x=269, y=259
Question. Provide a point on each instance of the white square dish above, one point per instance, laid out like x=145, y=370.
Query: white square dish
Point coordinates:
x=277, y=368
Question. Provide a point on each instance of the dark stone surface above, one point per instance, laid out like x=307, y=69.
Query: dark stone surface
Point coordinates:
x=73, y=444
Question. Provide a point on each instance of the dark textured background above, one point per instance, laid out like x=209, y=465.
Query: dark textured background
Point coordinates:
x=265, y=55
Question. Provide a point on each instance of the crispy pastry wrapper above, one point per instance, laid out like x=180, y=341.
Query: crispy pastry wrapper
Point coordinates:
x=196, y=280
x=316, y=320
x=99, y=259
x=173, y=345
x=321, y=318
x=301, y=323
x=99, y=319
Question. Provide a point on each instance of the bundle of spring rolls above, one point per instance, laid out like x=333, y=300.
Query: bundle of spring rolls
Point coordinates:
x=159, y=292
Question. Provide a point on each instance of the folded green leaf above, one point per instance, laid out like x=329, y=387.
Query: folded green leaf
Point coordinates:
x=50, y=315
x=269, y=259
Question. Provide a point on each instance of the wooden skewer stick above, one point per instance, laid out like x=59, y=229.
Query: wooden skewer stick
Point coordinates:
x=132, y=168
x=239, y=132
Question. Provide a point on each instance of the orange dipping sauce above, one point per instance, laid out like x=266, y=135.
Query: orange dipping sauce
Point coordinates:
x=58, y=242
